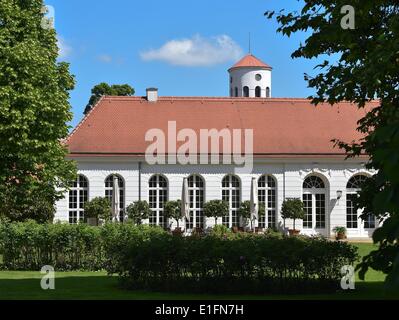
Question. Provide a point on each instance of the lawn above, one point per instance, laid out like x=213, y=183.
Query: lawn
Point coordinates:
x=97, y=285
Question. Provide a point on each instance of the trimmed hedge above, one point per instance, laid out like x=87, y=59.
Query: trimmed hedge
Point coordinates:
x=150, y=258
x=30, y=246
x=226, y=263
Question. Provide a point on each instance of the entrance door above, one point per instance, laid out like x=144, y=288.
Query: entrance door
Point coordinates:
x=314, y=199
x=357, y=227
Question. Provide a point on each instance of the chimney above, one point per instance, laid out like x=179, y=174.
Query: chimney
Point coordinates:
x=152, y=94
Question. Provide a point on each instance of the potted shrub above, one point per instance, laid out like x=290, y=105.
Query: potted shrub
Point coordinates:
x=138, y=211
x=172, y=210
x=340, y=233
x=293, y=209
x=96, y=209
x=216, y=209
x=245, y=212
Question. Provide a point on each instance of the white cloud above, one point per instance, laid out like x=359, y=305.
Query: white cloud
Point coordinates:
x=106, y=58
x=64, y=50
x=197, y=51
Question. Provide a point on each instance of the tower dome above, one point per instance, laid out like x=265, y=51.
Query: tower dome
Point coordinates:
x=250, y=77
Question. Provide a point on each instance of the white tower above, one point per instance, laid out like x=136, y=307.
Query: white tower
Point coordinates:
x=250, y=77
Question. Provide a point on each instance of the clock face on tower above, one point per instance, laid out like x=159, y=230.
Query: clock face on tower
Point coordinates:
x=258, y=77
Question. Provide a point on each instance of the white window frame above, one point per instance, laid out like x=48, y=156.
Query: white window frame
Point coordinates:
x=81, y=191
x=196, y=211
x=158, y=209
x=227, y=192
x=270, y=195
x=314, y=192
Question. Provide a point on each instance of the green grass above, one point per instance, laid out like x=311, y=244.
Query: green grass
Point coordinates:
x=97, y=285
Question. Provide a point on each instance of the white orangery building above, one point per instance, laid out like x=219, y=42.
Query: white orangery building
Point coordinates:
x=292, y=151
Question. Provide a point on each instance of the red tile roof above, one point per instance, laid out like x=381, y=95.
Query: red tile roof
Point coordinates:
x=286, y=127
x=250, y=61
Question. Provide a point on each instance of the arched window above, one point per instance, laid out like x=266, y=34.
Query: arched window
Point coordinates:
x=267, y=196
x=157, y=196
x=245, y=91
x=231, y=92
x=257, y=92
x=352, y=213
x=196, y=191
x=109, y=186
x=231, y=193
x=78, y=196
x=236, y=91
x=267, y=92
x=314, y=199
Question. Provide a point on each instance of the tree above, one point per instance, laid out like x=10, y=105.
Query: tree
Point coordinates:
x=99, y=208
x=104, y=89
x=34, y=112
x=172, y=210
x=216, y=209
x=292, y=209
x=364, y=41
x=138, y=211
x=245, y=211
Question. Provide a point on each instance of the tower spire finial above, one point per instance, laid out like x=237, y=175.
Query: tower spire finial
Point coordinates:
x=249, y=43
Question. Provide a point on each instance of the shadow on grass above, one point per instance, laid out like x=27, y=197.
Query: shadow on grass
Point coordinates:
x=107, y=288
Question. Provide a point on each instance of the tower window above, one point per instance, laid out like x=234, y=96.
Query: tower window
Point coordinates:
x=258, y=77
x=267, y=92
x=246, y=91
x=231, y=79
x=236, y=91
x=257, y=92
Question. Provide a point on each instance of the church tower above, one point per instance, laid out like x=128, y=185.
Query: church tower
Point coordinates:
x=250, y=77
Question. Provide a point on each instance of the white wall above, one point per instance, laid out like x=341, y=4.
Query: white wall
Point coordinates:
x=289, y=176
x=246, y=77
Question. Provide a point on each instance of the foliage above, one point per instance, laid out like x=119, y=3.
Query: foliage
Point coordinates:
x=148, y=257
x=99, y=207
x=365, y=67
x=245, y=210
x=104, y=89
x=341, y=230
x=220, y=231
x=228, y=263
x=172, y=210
x=292, y=209
x=34, y=112
x=29, y=246
x=216, y=209
x=138, y=211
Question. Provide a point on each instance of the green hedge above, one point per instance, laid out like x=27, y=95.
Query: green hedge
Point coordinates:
x=29, y=246
x=226, y=263
x=149, y=258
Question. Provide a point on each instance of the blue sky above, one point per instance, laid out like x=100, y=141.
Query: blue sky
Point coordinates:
x=142, y=42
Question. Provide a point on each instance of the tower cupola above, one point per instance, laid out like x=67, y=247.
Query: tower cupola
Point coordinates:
x=250, y=77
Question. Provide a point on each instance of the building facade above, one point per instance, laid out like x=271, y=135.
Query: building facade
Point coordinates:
x=293, y=156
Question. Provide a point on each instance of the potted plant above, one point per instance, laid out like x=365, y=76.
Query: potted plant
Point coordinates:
x=172, y=210
x=138, y=211
x=261, y=213
x=96, y=209
x=216, y=209
x=293, y=209
x=340, y=233
x=245, y=212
